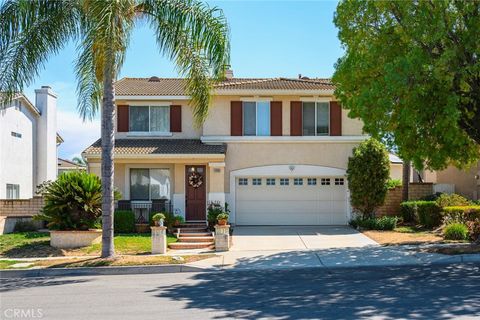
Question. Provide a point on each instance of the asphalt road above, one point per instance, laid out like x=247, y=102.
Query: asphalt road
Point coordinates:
x=439, y=292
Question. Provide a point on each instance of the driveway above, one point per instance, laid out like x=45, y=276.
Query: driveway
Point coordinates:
x=280, y=238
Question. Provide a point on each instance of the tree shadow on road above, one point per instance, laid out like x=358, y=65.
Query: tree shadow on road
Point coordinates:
x=346, y=293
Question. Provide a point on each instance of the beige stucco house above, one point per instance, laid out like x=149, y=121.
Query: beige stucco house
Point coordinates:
x=274, y=149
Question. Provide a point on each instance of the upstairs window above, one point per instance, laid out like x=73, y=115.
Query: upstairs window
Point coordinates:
x=316, y=118
x=256, y=118
x=149, y=119
x=13, y=191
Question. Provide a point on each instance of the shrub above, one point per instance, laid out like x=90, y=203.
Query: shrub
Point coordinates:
x=214, y=209
x=124, y=221
x=408, y=211
x=474, y=229
x=429, y=213
x=382, y=223
x=25, y=226
x=72, y=202
x=367, y=174
x=461, y=214
x=449, y=200
x=455, y=231
x=222, y=216
x=158, y=216
x=393, y=183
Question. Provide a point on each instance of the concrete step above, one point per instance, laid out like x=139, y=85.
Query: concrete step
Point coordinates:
x=192, y=225
x=195, y=234
x=196, y=239
x=182, y=230
x=191, y=245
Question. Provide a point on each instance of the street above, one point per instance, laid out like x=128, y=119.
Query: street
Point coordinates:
x=420, y=292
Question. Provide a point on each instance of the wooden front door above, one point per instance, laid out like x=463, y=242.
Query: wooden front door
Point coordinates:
x=195, y=193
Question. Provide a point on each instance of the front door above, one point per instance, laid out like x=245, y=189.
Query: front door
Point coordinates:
x=195, y=193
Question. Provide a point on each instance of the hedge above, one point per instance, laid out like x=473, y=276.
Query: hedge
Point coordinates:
x=408, y=211
x=427, y=213
x=124, y=221
x=461, y=214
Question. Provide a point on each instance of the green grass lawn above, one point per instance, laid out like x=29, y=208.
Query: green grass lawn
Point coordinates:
x=36, y=244
x=412, y=229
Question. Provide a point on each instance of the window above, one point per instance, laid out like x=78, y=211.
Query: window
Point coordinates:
x=149, y=118
x=242, y=181
x=312, y=181
x=16, y=134
x=270, y=181
x=339, y=181
x=298, y=182
x=256, y=118
x=13, y=191
x=284, y=181
x=257, y=181
x=149, y=184
x=316, y=118
x=325, y=181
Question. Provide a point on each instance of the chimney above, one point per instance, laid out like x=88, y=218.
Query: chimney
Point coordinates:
x=229, y=73
x=45, y=158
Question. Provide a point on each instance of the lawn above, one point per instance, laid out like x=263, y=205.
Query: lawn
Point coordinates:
x=404, y=235
x=36, y=244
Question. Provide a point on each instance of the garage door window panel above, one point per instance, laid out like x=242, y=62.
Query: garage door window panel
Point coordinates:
x=298, y=181
x=270, y=182
x=243, y=182
x=325, y=181
x=256, y=181
x=284, y=181
x=312, y=181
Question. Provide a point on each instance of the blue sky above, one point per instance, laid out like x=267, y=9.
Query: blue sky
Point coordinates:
x=268, y=39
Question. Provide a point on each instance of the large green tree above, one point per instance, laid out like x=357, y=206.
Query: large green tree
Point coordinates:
x=189, y=32
x=411, y=72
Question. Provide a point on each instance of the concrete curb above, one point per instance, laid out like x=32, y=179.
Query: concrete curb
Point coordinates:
x=95, y=271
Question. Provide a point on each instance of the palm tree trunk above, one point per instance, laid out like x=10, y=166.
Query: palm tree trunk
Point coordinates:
x=108, y=144
x=405, y=179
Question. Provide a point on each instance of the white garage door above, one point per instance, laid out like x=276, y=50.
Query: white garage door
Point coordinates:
x=291, y=201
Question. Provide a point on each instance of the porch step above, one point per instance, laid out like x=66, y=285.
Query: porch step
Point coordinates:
x=195, y=234
x=193, y=225
x=192, y=245
x=182, y=230
x=196, y=239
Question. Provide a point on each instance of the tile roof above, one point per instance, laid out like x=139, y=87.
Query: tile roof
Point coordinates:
x=67, y=163
x=158, y=146
x=176, y=86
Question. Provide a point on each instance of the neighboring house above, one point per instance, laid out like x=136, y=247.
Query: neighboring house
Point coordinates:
x=67, y=165
x=28, y=144
x=275, y=149
x=466, y=182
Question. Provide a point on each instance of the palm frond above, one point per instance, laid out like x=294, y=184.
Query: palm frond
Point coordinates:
x=30, y=31
x=196, y=37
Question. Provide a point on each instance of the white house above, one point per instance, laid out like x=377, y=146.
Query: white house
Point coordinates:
x=28, y=144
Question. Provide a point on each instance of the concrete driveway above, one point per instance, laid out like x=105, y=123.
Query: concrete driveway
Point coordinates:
x=297, y=238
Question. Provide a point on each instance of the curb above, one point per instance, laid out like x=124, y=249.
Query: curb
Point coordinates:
x=95, y=271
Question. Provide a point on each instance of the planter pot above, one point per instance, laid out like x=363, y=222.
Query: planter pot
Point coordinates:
x=74, y=239
x=222, y=222
x=142, y=227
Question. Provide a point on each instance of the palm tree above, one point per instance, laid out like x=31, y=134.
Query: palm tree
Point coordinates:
x=189, y=32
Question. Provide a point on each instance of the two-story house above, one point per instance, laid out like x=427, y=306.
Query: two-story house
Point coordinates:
x=274, y=149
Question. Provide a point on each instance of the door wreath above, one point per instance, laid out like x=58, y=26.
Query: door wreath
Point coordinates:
x=195, y=180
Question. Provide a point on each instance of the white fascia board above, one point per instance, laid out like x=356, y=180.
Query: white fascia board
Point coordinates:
x=160, y=156
x=284, y=139
x=140, y=98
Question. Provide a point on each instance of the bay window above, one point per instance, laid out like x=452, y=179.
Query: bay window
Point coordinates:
x=316, y=118
x=256, y=118
x=149, y=119
x=149, y=184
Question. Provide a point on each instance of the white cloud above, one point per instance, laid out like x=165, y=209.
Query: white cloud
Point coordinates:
x=77, y=134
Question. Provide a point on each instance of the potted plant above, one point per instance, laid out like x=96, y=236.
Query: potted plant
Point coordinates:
x=158, y=219
x=178, y=220
x=222, y=219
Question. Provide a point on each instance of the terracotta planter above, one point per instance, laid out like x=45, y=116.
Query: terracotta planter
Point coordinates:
x=142, y=227
x=222, y=222
x=74, y=239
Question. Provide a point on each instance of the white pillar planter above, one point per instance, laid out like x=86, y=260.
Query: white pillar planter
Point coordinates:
x=74, y=239
x=222, y=237
x=159, y=240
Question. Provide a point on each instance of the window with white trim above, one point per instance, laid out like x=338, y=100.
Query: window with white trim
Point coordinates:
x=256, y=118
x=298, y=181
x=325, y=181
x=149, y=119
x=149, y=184
x=257, y=181
x=13, y=191
x=284, y=181
x=316, y=118
x=339, y=181
x=312, y=181
x=242, y=181
x=270, y=181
